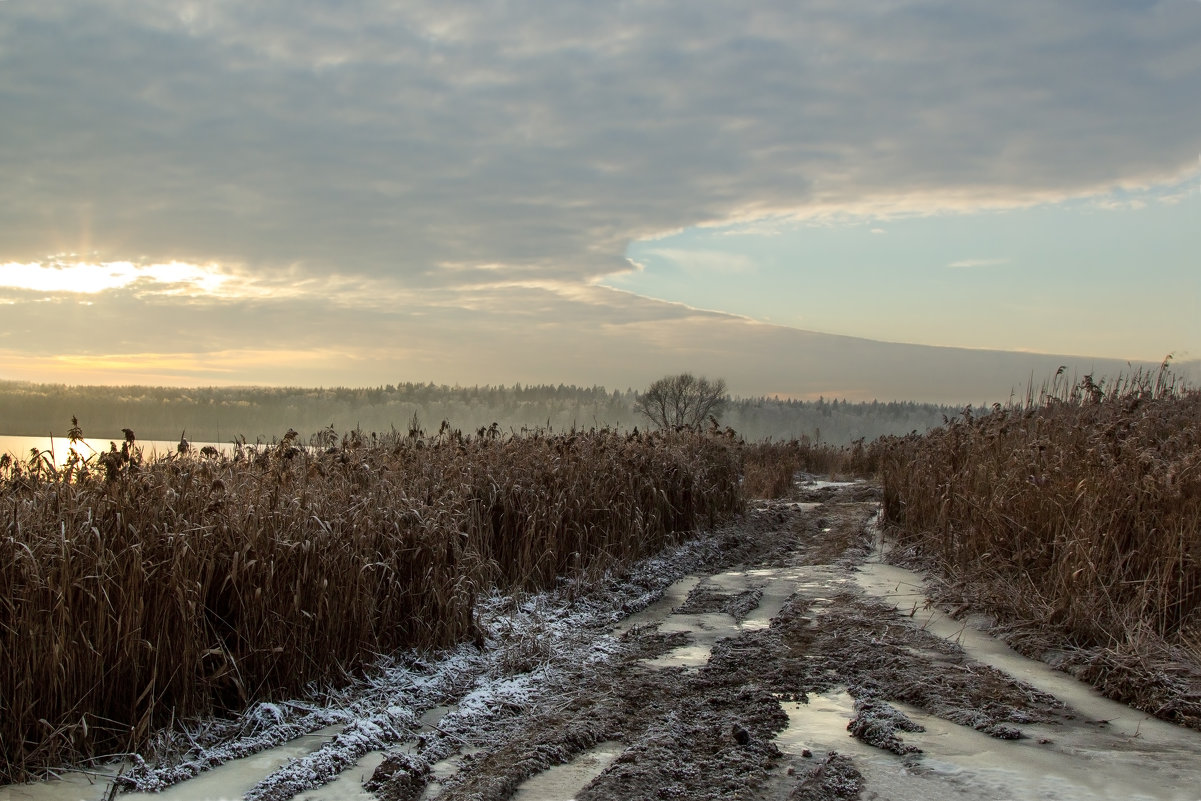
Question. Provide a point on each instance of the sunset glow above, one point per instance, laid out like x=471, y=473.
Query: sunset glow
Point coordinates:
x=63, y=275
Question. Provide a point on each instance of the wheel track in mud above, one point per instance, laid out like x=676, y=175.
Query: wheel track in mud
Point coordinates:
x=709, y=732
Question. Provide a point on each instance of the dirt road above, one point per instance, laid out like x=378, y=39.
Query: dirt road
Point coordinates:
x=781, y=660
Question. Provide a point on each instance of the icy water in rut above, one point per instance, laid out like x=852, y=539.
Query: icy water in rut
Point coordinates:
x=1109, y=752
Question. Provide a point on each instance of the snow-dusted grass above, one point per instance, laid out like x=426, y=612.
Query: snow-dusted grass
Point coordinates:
x=530, y=644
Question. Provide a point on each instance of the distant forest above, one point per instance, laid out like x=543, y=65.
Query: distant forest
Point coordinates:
x=220, y=414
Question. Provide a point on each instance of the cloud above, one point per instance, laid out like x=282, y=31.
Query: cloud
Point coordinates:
x=399, y=136
x=450, y=162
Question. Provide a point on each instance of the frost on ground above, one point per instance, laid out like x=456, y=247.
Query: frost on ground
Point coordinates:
x=707, y=599
x=876, y=722
x=554, y=680
x=834, y=778
x=526, y=644
x=710, y=732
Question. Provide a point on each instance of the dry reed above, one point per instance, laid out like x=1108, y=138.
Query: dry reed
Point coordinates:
x=770, y=468
x=1079, y=512
x=133, y=593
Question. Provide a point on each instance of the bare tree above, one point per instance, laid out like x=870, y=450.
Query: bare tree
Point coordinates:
x=681, y=401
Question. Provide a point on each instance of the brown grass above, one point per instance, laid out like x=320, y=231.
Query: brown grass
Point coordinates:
x=133, y=593
x=1079, y=512
x=770, y=468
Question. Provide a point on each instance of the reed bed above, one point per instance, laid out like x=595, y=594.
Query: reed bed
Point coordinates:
x=1077, y=513
x=770, y=468
x=134, y=592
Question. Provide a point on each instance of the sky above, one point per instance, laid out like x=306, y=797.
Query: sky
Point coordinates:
x=902, y=199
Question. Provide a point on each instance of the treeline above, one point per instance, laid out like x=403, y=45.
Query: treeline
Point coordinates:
x=832, y=422
x=220, y=414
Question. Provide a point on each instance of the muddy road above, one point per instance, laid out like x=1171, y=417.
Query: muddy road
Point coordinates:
x=779, y=658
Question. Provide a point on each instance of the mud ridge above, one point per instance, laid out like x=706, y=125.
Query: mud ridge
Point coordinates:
x=701, y=734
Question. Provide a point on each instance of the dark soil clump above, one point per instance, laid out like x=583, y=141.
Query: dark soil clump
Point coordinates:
x=876, y=723
x=835, y=778
x=710, y=745
x=705, y=600
x=400, y=777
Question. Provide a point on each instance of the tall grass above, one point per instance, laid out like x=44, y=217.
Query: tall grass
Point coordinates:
x=770, y=468
x=133, y=592
x=1078, y=510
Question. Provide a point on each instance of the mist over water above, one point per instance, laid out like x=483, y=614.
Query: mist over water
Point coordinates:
x=264, y=414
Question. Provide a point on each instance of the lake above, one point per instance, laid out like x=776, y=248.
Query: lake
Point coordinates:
x=59, y=447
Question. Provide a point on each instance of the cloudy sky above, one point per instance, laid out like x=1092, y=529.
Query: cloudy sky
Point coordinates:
x=928, y=199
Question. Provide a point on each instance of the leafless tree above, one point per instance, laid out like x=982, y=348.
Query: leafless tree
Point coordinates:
x=681, y=401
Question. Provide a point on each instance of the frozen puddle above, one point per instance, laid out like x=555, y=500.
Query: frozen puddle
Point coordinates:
x=235, y=778
x=960, y=764
x=349, y=784
x=562, y=782
x=817, y=484
x=74, y=785
x=673, y=596
x=704, y=629
x=1131, y=756
x=443, y=770
x=230, y=780
x=904, y=589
